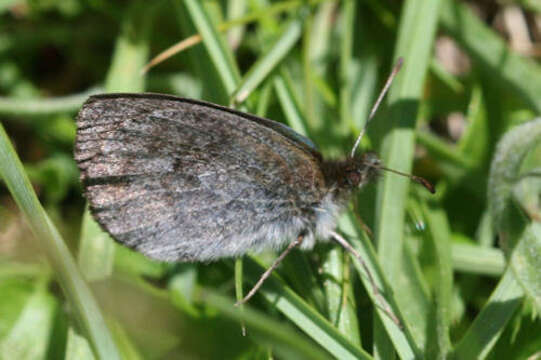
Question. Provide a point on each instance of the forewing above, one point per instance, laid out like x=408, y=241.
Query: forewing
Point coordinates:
x=178, y=179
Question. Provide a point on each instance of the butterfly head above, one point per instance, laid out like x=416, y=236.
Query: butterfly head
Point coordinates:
x=362, y=169
x=368, y=167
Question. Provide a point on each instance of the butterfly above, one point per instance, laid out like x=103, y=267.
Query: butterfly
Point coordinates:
x=185, y=180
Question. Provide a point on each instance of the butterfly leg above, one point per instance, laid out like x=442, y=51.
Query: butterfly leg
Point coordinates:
x=269, y=271
x=384, y=304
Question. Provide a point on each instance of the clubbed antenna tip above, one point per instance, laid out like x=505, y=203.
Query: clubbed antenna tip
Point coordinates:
x=425, y=183
x=417, y=179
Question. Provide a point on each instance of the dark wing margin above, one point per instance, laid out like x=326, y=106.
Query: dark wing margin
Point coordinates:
x=184, y=180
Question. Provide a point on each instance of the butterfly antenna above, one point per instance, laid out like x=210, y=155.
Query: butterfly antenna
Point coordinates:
x=417, y=179
x=390, y=79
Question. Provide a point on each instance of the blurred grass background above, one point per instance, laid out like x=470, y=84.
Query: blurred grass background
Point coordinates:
x=461, y=269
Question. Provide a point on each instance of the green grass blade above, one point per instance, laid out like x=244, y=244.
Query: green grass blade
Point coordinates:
x=414, y=45
x=416, y=36
x=31, y=107
x=489, y=324
x=35, y=322
x=131, y=51
x=127, y=348
x=218, y=52
x=304, y=316
x=199, y=62
x=239, y=294
x=317, y=45
x=236, y=9
x=402, y=339
x=365, y=75
x=77, y=347
x=272, y=331
x=492, y=53
x=446, y=77
x=346, y=49
x=339, y=294
x=476, y=259
x=304, y=279
x=474, y=144
x=264, y=99
x=96, y=253
x=444, y=152
x=309, y=100
x=69, y=277
x=438, y=341
x=290, y=105
x=269, y=61
x=484, y=235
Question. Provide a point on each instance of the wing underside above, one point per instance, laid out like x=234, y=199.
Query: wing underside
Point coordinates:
x=182, y=180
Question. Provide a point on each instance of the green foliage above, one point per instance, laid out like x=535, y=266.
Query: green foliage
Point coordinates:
x=460, y=269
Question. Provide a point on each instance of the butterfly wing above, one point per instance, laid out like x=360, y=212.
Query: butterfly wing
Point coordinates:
x=178, y=179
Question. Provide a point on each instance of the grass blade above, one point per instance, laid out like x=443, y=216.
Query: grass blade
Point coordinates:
x=131, y=51
x=76, y=290
x=96, y=253
x=348, y=23
x=289, y=103
x=416, y=36
x=489, y=324
x=268, y=62
x=235, y=9
x=401, y=339
x=30, y=107
x=219, y=53
x=339, y=294
x=305, y=317
x=77, y=347
x=35, y=322
x=364, y=73
x=475, y=259
x=273, y=331
x=438, y=341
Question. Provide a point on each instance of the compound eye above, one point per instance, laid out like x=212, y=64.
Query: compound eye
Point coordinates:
x=353, y=177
